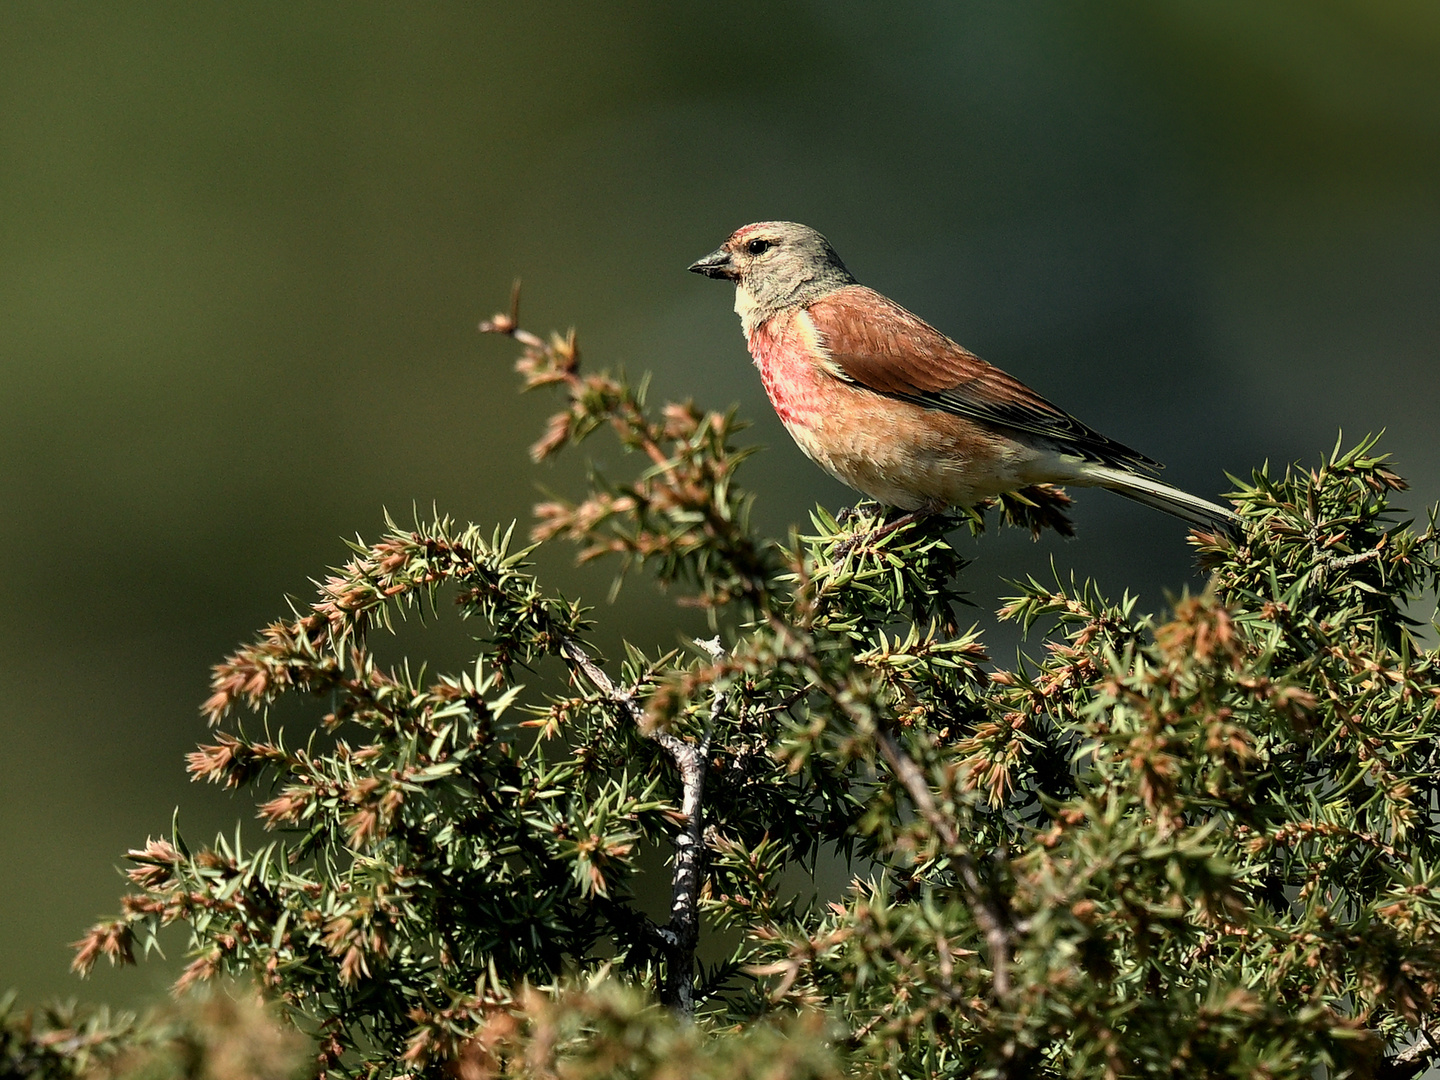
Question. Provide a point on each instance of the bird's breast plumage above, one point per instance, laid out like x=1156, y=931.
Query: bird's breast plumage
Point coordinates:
x=784, y=350
x=883, y=446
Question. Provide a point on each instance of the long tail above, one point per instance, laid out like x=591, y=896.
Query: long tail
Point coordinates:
x=1143, y=489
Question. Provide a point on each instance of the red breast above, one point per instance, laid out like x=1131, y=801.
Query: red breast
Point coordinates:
x=893, y=450
x=785, y=351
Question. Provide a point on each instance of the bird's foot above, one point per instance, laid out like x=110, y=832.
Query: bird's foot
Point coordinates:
x=849, y=513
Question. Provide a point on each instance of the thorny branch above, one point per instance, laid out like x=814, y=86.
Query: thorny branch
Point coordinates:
x=986, y=907
x=1325, y=564
x=680, y=936
x=683, y=513
x=683, y=932
x=988, y=911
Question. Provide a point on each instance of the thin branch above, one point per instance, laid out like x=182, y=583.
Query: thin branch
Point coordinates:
x=986, y=906
x=623, y=701
x=988, y=910
x=681, y=934
x=1413, y=1060
x=1326, y=564
x=508, y=323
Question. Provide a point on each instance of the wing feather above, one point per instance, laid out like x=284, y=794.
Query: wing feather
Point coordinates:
x=872, y=341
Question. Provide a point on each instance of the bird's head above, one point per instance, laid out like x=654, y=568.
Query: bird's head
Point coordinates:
x=777, y=264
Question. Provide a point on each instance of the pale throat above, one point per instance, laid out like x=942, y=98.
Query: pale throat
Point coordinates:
x=747, y=309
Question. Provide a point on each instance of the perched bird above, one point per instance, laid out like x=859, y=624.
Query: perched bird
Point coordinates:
x=887, y=404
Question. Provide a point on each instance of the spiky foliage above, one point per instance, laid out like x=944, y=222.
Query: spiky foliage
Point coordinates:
x=218, y=1034
x=1197, y=846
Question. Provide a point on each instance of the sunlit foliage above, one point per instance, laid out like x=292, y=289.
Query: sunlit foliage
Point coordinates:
x=1194, y=846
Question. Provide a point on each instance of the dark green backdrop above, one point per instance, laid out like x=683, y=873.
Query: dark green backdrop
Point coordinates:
x=243, y=249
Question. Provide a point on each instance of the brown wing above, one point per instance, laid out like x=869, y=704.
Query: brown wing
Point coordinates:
x=874, y=342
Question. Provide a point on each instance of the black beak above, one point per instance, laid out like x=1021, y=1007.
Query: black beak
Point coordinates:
x=717, y=265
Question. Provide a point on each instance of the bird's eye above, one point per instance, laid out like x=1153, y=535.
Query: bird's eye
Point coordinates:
x=758, y=247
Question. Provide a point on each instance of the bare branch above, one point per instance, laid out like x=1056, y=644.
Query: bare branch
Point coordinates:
x=623, y=701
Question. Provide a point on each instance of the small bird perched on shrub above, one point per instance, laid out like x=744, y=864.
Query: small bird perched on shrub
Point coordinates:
x=887, y=404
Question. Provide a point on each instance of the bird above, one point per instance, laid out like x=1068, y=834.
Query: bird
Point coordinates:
x=890, y=406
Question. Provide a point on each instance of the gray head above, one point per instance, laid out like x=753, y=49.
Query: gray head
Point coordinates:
x=778, y=264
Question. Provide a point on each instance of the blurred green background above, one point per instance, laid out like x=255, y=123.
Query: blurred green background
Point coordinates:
x=243, y=250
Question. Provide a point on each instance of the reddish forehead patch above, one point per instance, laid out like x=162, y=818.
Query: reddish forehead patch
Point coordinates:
x=740, y=234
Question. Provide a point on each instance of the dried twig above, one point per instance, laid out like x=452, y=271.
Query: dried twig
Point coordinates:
x=508, y=323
